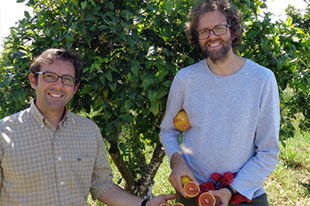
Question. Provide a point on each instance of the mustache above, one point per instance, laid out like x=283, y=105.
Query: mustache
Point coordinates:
x=57, y=91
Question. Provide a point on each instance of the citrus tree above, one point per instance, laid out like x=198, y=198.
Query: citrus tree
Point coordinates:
x=132, y=50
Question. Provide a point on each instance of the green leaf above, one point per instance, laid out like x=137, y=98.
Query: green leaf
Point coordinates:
x=85, y=90
x=155, y=108
x=105, y=93
x=113, y=86
x=147, y=82
x=135, y=67
x=108, y=75
x=27, y=15
x=83, y=4
x=127, y=14
x=161, y=92
x=126, y=117
x=289, y=21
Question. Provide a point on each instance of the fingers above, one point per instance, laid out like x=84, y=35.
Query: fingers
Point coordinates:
x=160, y=199
x=175, y=181
x=192, y=177
x=170, y=197
x=221, y=196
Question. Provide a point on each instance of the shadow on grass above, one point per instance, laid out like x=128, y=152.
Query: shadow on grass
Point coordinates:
x=294, y=164
x=306, y=186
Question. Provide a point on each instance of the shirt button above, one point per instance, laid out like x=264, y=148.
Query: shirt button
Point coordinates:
x=62, y=183
x=59, y=158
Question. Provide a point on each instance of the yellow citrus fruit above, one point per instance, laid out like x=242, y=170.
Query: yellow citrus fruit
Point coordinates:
x=185, y=179
x=181, y=121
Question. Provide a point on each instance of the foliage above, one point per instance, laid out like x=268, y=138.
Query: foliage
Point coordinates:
x=132, y=50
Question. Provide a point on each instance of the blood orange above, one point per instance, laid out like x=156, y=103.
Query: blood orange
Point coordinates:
x=191, y=189
x=178, y=204
x=181, y=121
x=206, y=199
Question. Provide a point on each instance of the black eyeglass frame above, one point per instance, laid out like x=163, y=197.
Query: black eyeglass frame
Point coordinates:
x=58, y=76
x=215, y=33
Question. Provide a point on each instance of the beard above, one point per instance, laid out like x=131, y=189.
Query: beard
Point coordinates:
x=218, y=55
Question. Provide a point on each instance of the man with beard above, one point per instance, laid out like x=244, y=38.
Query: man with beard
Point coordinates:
x=50, y=156
x=232, y=105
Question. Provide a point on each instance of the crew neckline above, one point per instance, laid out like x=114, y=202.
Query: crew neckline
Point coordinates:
x=225, y=76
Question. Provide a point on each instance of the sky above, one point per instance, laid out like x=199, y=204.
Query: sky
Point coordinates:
x=11, y=12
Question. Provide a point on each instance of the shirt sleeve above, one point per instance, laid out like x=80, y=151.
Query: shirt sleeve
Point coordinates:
x=169, y=135
x=252, y=175
x=102, y=178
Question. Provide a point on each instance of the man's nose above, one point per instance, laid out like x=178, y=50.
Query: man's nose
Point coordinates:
x=212, y=34
x=59, y=82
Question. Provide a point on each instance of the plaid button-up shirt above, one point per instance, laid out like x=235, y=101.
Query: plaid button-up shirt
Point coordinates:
x=44, y=166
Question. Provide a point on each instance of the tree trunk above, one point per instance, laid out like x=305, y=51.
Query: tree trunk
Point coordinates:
x=148, y=175
x=141, y=187
x=121, y=166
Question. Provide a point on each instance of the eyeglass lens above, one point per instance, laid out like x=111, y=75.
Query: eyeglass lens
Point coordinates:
x=53, y=77
x=217, y=30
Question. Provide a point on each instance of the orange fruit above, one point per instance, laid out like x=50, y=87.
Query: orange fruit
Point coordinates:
x=206, y=199
x=181, y=121
x=178, y=204
x=191, y=189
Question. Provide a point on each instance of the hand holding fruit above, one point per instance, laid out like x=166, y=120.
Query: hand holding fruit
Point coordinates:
x=190, y=187
x=223, y=196
x=179, y=169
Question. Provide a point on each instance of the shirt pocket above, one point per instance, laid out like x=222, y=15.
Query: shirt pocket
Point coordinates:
x=81, y=166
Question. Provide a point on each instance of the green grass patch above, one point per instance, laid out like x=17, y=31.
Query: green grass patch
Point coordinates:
x=289, y=184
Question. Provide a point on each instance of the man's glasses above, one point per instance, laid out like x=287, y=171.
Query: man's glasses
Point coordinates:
x=52, y=77
x=217, y=30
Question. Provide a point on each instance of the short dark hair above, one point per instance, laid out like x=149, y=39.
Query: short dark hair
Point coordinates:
x=50, y=55
x=226, y=7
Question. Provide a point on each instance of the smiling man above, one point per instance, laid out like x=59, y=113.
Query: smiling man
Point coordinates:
x=52, y=157
x=232, y=105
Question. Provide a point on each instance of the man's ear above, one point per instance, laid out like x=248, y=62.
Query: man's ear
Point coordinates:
x=76, y=87
x=33, y=80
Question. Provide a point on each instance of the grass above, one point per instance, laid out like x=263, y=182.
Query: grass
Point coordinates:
x=289, y=184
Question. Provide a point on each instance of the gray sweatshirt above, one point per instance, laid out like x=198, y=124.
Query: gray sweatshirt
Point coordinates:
x=234, y=124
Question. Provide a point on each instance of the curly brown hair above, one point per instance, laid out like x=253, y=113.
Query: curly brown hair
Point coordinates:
x=226, y=7
x=50, y=55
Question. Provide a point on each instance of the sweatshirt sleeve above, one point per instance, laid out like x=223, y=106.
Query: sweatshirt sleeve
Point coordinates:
x=252, y=175
x=169, y=135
